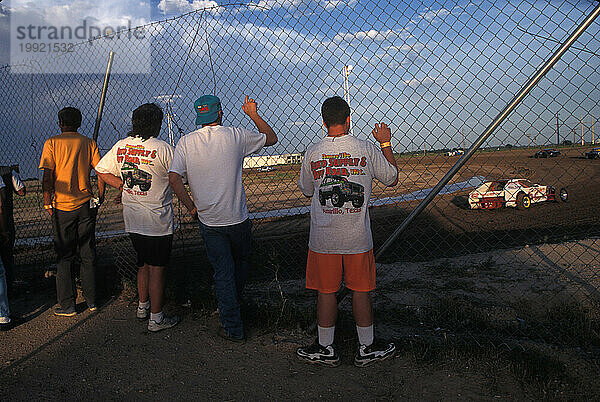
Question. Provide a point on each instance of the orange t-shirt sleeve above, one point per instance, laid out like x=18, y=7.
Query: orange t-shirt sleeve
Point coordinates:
x=95, y=154
x=47, y=161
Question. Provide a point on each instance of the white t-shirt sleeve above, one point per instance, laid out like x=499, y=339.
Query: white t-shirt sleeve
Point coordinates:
x=383, y=171
x=167, y=156
x=16, y=181
x=178, y=164
x=305, y=181
x=108, y=163
x=253, y=141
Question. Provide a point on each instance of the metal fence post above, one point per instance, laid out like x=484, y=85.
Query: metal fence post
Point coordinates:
x=103, y=96
x=491, y=128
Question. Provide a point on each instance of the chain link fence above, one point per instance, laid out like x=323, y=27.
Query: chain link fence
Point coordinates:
x=438, y=74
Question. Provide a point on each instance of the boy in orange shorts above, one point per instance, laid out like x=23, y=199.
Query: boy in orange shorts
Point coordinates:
x=337, y=173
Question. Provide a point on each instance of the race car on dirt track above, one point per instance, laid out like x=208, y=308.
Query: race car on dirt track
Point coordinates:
x=593, y=154
x=519, y=193
x=546, y=153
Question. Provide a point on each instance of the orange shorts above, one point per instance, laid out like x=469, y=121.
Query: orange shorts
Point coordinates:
x=324, y=271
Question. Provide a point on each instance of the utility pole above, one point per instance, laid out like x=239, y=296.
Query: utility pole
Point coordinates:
x=557, y=132
x=582, y=142
x=346, y=73
x=593, y=138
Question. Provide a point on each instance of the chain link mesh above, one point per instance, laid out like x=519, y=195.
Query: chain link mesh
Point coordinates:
x=438, y=74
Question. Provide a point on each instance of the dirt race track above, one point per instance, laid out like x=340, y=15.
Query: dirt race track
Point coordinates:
x=446, y=228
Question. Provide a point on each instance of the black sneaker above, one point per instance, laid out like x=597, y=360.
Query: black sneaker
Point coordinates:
x=376, y=352
x=65, y=312
x=317, y=354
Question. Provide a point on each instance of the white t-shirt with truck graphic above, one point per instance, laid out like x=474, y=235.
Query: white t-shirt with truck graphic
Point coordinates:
x=147, y=197
x=337, y=173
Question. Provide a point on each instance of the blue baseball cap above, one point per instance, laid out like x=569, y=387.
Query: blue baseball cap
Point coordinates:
x=207, y=109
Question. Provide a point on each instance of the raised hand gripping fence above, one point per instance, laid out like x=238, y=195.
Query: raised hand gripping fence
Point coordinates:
x=438, y=74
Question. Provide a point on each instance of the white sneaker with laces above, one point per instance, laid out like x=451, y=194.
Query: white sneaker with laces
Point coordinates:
x=376, y=352
x=318, y=354
x=143, y=313
x=166, y=322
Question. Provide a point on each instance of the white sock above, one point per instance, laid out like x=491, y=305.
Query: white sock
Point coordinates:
x=365, y=335
x=156, y=317
x=144, y=305
x=326, y=335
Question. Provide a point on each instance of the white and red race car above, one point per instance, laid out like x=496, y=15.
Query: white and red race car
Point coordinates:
x=519, y=193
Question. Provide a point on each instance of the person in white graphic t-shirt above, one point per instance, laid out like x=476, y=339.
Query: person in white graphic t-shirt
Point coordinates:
x=212, y=158
x=138, y=166
x=338, y=172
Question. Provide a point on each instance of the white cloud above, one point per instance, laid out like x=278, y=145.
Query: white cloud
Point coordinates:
x=415, y=47
x=431, y=15
x=371, y=34
x=329, y=4
x=70, y=13
x=273, y=4
x=185, y=6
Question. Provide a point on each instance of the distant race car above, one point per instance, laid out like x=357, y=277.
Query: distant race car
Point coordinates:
x=454, y=152
x=593, y=154
x=546, y=153
x=519, y=193
x=266, y=169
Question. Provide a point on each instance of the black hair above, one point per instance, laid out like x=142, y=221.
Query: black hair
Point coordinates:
x=146, y=121
x=335, y=111
x=70, y=117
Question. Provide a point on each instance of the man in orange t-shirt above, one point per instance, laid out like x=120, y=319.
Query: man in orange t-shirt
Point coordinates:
x=67, y=160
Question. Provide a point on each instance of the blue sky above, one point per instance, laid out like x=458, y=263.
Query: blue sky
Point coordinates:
x=436, y=71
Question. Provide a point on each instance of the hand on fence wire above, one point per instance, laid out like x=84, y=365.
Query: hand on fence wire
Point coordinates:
x=250, y=107
x=382, y=133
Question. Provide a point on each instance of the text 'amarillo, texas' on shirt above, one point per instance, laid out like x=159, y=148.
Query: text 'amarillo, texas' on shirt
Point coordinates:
x=337, y=173
x=147, y=197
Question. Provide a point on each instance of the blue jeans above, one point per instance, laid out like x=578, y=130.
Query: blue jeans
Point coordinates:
x=4, y=311
x=228, y=250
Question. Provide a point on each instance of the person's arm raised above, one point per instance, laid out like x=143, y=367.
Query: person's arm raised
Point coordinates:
x=383, y=135
x=250, y=109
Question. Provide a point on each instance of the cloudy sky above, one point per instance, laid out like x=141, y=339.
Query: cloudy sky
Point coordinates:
x=437, y=71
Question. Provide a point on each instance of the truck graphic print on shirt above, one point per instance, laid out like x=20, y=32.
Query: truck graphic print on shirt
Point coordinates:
x=340, y=191
x=134, y=176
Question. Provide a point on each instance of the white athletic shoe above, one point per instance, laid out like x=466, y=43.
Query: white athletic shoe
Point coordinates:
x=376, y=352
x=166, y=322
x=143, y=313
